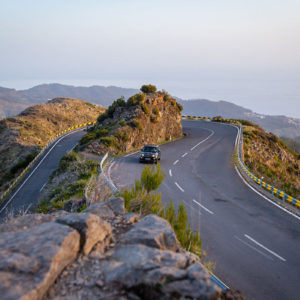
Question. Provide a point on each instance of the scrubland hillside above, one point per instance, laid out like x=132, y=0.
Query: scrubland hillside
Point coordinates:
x=269, y=157
x=21, y=137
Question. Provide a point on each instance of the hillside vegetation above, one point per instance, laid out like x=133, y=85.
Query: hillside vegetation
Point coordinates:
x=269, y=157
x=150, y=118
x=22, y=137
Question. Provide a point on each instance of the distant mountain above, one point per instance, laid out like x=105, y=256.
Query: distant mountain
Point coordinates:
x=279, y=125
x=14, y=101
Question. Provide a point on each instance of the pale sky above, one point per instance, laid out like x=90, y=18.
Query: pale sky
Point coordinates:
x=244, y=51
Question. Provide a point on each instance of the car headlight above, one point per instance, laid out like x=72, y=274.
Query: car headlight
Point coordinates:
x=142, y=154
x=153, y=155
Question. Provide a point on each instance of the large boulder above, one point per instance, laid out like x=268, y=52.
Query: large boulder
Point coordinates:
x=100, y=209
x=30, y=260
x=91, y=228
x=152, y=231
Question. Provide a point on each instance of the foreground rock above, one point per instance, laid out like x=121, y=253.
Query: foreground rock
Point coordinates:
x=101, y=253
x=30, y=260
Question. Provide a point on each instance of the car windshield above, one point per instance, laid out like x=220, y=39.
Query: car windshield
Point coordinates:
x=150, y=149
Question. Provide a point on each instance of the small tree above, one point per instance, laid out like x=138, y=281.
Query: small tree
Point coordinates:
x=152, y=178
x=148, y=88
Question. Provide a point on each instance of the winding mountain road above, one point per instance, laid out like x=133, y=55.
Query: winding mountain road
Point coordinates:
x=255, y=245
x=26, y=195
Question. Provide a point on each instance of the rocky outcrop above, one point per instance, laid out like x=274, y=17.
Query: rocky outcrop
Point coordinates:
x=126, y=126
x=96, y=255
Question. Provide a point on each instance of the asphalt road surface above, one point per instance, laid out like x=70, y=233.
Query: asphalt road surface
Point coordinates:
x=26, y=195
x=255, y=245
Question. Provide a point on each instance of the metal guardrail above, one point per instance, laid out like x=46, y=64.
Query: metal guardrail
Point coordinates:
x=273, y=190
x=107, y=181
x=26, y=170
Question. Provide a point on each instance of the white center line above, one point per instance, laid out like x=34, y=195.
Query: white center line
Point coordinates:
x=206, y=209
x=262, y=246
x=185, y=154
x=250, y=246
x=179, y=187
x=170, y=172
x=175, y=162
x=212, y=132
x=43, y=186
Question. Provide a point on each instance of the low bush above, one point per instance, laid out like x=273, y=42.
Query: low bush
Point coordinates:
x=88, y=138
x=148, y=88
x=155, y=111
x=145, y=108
x=137, y=124
x=122, y=123
x=136, y=99
x=22, y=164
x=108, y=141
x=179, y=107
x=153, y=119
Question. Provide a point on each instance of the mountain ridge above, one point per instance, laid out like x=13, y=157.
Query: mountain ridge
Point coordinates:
x=13, y=101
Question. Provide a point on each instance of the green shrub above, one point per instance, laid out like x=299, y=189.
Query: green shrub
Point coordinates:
x=167, y=97
x=117, y=103
x=153, y=119
x=148, y=88
x=152, y=177
x=136, y=99
x=141, y=199
x=137, y=124
x=102, y=117
x=145, y=109
x=122, y=123
x=22, y=164
x=173, y=102
x=66, y=160
x=123, y=136
x=108, y=141
x=88, y=137
x=155, y=111
x=179, y=107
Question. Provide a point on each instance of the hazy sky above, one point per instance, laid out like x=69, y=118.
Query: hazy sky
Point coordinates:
x=243, y=51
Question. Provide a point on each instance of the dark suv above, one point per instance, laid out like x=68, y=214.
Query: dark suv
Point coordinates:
x=150, y=153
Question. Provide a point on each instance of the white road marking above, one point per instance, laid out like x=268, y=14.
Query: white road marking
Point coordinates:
x=43, y=186
x=262, y=246
x=212, y=133
x=206, y=209
x=257, y=192
x=185, y=154
x=132, y=153
x=36, y=168
x=175, y=162
x=170, y=172
x=179, y=187
x=25, y=212
x=247, y=244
